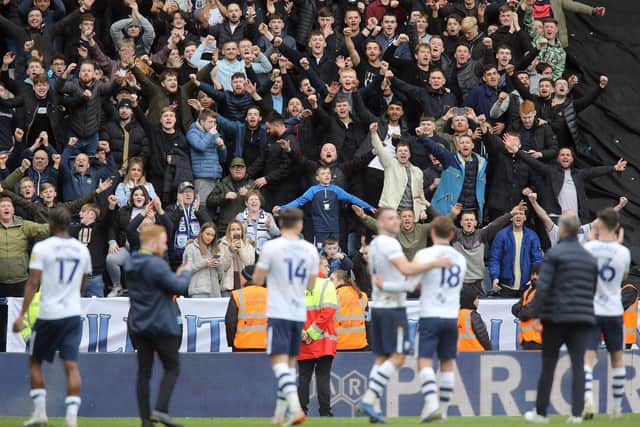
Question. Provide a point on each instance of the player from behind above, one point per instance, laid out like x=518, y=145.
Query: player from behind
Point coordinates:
x=613, y=268
x=438, y=324
x=290, y=266
x=389, y=327
x=59, y=267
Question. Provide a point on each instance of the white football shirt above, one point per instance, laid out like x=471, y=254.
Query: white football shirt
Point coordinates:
x=63, y=262
x=289, y=264
x=440, y=287
x=613, y=264
x=382, y=250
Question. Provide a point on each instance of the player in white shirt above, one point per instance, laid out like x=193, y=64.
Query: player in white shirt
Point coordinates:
x=389, y=326
x=613, y=267
x=59, y=266
x=438, y=326
x=290, y=265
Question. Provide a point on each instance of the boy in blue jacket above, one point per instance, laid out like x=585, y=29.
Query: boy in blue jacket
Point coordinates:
x=325, y=201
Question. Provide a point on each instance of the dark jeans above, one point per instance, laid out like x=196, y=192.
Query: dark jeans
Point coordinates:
x=167, y=349
x=12, y=290
x=322, y=367
x=554, y=335
x=506, y=292
x=475, y=287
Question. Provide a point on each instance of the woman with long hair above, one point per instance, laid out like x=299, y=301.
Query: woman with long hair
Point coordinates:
x=135, y=176
x=207, y=272
x=237, y=253
x=258, y=224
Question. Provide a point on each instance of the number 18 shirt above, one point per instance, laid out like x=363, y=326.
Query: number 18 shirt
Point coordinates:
x=613, y=264
x=440, y=287
x=63, y=262
x=289, y=264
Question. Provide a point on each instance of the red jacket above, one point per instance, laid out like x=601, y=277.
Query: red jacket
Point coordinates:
x=321, y=303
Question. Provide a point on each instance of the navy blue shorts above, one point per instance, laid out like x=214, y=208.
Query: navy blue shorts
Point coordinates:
x=612, y=329
x=389, y=331
x=284, y=337
x=437, y=335
x=62, y=335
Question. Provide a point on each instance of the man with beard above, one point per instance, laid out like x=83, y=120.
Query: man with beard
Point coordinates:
x=248, y=135
x=229, y=195
x=126, y=137
x=234, y=28
x=87, y=95
x=45, y=162
x=482, y=97
x=370, y=67
x=414, y=71
x=434, y=99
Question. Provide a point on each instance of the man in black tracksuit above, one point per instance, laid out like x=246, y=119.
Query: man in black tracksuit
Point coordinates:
x=564, y=303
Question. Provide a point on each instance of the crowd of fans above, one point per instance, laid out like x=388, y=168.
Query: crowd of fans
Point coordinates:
x=210, y=116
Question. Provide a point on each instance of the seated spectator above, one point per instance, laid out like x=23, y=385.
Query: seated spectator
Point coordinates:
x=207, y=274
x=514, y=251
x=337, y=259
x=258, y=225
x=134, y=177
x=473, y=335
x=14, y=240
x=237, y=253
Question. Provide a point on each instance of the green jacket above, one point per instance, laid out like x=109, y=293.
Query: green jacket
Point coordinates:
x=559, y=7
x=10, y=182
x=552, y=53
x=14, y=248
x=40, y=212
x=229, y=208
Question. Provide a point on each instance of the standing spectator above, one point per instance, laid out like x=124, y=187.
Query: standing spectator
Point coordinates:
x=204, y=256
x=45, y=162
x=208, y=153
x=530, y=337
x=138, y=28
x=126, y=136
x=79, y=177
x=325, y=201
x=514, y=251
x=134, y=177
x=564, y=304
x=258, y=224
x=234, y=28
x=237, y=253
x=154, y=320
x=246, y=317
x=319, y=341
x=14, y=243
x=229, y=197
x=551, y=49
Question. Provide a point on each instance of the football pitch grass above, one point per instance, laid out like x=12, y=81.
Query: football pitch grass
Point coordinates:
x=629, y=420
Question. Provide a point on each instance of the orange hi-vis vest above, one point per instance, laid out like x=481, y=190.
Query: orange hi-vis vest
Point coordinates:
x=350, y=318
x=467, y=340
x=251, y=331
x=530, y=330
x=631, y=321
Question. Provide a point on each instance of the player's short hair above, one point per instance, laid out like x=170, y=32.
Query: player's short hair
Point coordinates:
x=151, y=232
x=383, y=210
x=443, y=227
x=610, y=218
x=329, y=241
x=91, y=207
x=59, y=219
x=570, y=224
x=290, y=217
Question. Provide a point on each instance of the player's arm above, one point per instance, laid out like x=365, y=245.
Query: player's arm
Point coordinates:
x=411, y=268
x=259, y=276
x=30, y=289
x=83, y=285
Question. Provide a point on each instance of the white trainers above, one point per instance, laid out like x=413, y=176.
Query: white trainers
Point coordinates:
x=116, y=291
x=37, y=421
x=533, y=417
x=574, y=420
x=616, y=414
x=589, y=410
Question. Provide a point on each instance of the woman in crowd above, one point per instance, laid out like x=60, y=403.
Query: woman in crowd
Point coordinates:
x=204, y=255
x=258, y=225
x=134, y=177
x=237, y=253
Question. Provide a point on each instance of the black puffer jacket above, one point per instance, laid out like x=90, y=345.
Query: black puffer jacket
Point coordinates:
x=138, y=143
x=85, y=113
x=567, y=284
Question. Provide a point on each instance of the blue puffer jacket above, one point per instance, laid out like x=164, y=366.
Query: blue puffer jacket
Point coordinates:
x=503, y=252
x=452, y=177
x=151, y=285
x=206, y=156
